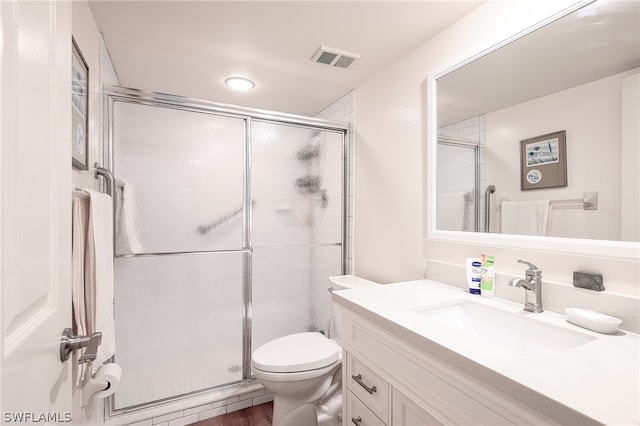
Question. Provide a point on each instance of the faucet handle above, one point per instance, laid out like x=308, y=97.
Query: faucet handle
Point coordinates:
x=533, y=269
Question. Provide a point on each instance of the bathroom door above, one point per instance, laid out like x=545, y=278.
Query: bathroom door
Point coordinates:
x=35, y=209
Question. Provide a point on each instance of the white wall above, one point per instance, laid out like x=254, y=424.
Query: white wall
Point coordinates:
x=630, y=154
x=590, y=114
x=390, y=141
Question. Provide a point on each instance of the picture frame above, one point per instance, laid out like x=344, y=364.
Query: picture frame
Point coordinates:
x=79, y=109
x=543, y=161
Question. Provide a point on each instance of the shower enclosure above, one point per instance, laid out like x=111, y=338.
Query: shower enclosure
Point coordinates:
x=228, y=223
x=458, y=184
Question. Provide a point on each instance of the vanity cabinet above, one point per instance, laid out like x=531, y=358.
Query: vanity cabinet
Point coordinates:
x=416, y=387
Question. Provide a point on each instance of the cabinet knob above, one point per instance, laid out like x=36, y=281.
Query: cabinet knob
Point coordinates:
x=356, y=420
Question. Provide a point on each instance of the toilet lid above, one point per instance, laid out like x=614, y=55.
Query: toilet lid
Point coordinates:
x=296, y=352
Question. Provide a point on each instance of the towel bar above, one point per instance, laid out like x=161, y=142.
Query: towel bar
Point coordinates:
x=589, y=201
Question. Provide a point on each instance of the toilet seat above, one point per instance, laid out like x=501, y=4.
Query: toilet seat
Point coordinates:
x=296, y=353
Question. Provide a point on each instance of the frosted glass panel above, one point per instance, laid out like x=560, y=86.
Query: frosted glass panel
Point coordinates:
x=178, y=325
x=183, y=174
x=455, y=206
x=296, y=180
x=290, y=290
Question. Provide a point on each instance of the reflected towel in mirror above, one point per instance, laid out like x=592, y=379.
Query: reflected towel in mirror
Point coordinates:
x=525, y=217
x=450, y=211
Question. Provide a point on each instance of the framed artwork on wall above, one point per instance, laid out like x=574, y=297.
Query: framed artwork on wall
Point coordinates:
x=543, y=161
x=79, y=109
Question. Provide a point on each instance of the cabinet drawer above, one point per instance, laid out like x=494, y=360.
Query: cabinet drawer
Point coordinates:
x=369, y=387
x=358, y=414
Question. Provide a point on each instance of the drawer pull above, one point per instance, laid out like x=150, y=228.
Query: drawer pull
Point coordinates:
x=356, y=420
x=359, y=381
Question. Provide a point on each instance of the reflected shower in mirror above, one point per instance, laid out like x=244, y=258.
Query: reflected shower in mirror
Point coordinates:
x=578, y=74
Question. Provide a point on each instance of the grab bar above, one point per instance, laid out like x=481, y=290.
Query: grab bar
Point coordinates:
x=110, y=180
x=205, y=229
x=487, y=206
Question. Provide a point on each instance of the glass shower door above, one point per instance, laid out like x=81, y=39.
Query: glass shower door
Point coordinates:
x=179, y=250
x=296, y=229
x=457, y=187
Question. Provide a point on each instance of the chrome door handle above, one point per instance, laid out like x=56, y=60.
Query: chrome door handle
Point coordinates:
x=70, y=343
x=359, y=381
x=356, y=420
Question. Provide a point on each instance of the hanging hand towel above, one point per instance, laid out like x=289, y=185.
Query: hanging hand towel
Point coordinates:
x=127, y=239
x=79, y=224
x=450, y=211
x=525, y=217
x=99, y=275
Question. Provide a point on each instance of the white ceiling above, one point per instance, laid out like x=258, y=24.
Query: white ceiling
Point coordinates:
x=188, y=48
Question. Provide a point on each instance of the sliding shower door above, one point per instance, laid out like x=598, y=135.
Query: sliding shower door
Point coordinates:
x=228, y=224
x=296, y=230
x=457, y=186
x=179, y=250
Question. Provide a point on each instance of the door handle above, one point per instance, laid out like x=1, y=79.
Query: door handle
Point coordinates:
x=70, y=343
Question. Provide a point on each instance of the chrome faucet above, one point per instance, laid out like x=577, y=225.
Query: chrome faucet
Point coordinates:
x=532, y=285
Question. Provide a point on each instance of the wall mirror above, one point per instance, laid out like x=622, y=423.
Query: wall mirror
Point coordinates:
x=577, y=75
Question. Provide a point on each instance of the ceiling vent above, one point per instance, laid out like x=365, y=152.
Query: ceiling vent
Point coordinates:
x=334, y=57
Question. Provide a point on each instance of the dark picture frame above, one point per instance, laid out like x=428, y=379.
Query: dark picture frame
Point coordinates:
x=543, y=161
x=79, y=109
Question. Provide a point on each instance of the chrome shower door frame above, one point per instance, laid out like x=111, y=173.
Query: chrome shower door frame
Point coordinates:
x=114, y=94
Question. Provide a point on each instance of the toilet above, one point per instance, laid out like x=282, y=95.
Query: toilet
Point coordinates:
x=304, y=371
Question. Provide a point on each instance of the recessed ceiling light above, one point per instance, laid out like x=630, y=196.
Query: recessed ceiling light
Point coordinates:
x=240, y=83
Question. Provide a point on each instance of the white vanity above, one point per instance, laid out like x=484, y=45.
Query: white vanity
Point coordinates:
x=425, y=353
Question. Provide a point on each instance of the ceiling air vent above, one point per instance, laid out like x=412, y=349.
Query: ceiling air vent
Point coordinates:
x=335, y=57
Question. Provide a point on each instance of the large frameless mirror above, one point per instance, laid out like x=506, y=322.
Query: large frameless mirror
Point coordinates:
x=570, y=88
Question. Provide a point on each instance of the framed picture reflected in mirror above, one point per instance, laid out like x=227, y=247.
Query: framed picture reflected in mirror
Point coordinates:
x=543, y=161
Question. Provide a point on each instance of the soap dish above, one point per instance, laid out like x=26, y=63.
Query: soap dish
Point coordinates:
x=594, y=321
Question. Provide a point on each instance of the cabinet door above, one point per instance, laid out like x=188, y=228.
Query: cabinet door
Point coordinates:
x=407, y=413
x=358, y=413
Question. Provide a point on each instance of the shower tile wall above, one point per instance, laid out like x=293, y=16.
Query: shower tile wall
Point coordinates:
x=344, y=110
x=328, y=257
x=472, y=129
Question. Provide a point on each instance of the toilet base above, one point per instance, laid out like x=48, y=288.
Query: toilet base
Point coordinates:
x=289, y=411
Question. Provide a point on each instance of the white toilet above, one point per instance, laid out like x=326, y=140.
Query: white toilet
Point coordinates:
x=302, y=369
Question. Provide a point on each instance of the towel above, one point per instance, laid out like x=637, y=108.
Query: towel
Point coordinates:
x=127, y=238
x=79, y=224
x=525, y=217
x=99, y=275
x=450, y=211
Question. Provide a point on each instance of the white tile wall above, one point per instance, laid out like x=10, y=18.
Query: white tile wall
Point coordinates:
x=344, y=110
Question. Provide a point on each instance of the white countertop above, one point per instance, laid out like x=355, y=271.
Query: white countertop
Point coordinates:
x=600, y=379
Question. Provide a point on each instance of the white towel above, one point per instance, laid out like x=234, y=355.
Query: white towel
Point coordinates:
x=79, y=224
x=127, y=238
x=450, y=211
x=525, y=217
x=99, y=275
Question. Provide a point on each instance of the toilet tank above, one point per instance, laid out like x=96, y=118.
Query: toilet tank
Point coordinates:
x=343, y=282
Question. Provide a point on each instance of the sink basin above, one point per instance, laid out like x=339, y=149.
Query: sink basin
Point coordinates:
x=513, y=331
